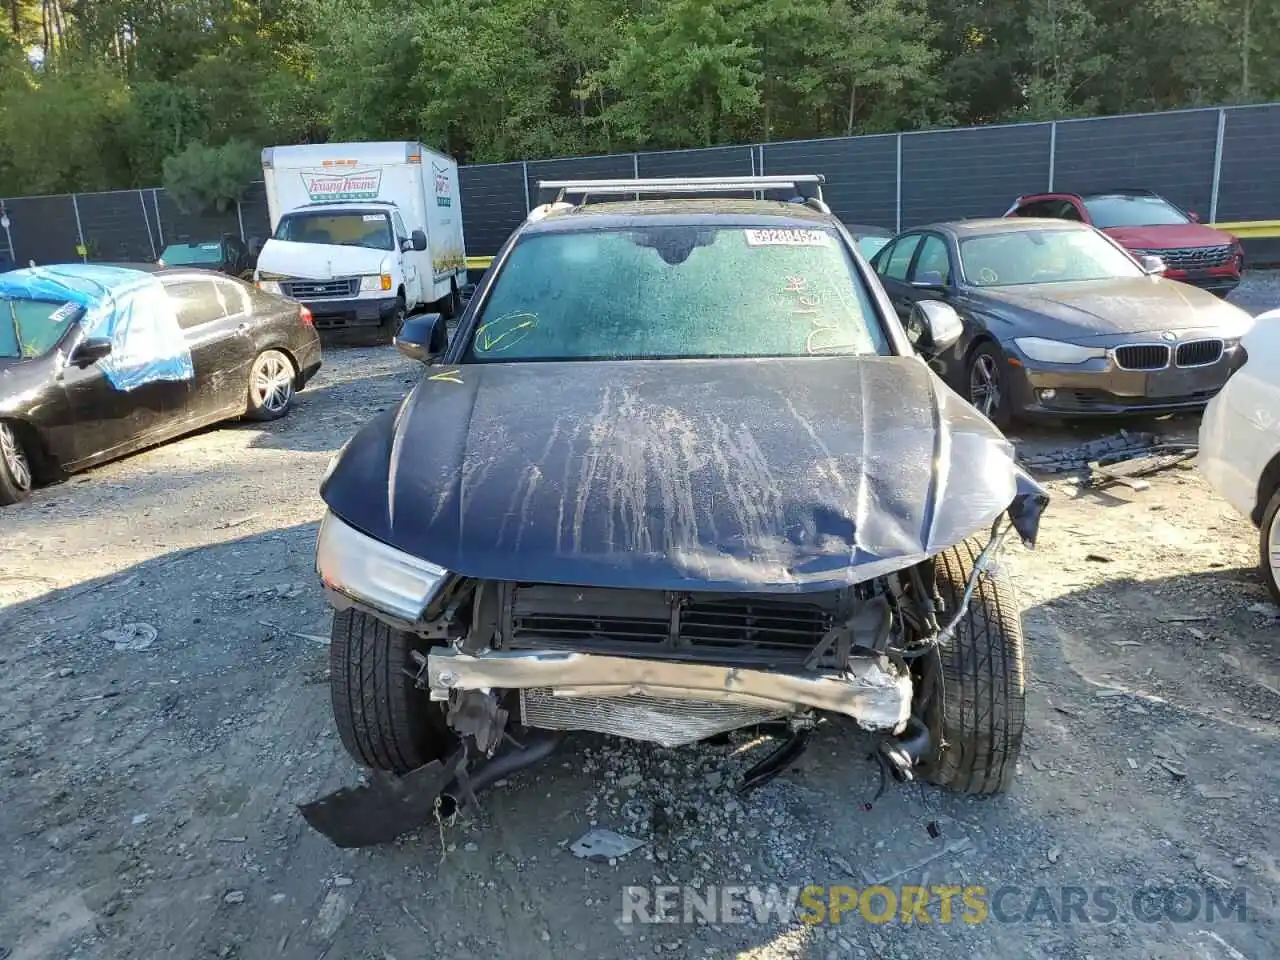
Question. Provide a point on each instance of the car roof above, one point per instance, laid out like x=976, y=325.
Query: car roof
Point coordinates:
x=617, y=214
x=990, y=225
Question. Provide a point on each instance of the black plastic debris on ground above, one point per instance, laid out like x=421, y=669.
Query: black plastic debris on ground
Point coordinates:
x=1123, y=458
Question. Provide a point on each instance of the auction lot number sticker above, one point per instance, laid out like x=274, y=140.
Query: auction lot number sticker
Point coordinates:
x=787, y=238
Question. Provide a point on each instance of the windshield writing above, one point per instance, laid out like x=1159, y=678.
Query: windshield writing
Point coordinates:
x=344, y=229
x=31, y=328
x=676, y=292
x=1013, y=258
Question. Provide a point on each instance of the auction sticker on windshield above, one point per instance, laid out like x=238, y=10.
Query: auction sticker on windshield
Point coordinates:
x=787, y=238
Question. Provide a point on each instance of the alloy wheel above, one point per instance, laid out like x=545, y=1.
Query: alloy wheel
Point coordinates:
x=273, y=383
x=984, y=384
x=14, y=458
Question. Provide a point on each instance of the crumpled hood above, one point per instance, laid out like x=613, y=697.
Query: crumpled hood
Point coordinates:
x=1166, y=236
x=1069, y=311
x=765, y=475
x=319, y=261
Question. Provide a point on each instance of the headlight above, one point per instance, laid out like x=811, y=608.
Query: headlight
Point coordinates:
x=1055, y=351
x=366, y=569
x=376, y=282
x=269, y=286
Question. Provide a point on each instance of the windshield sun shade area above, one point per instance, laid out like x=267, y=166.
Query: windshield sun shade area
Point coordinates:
x=354, y=229
x=682, y=291
x=1013, y=258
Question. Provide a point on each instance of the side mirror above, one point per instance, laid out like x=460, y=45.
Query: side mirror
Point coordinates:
x=423, y=337
x=419, y=240
x=934, y=327
x=1151, y=265
x=89, y=351
x=929, y=280
x=1195, y=217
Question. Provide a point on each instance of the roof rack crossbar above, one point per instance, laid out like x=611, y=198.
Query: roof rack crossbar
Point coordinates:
x=806, y=186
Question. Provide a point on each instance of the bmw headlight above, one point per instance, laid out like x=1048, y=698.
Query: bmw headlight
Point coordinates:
x=1055, y=351
x=366, y=569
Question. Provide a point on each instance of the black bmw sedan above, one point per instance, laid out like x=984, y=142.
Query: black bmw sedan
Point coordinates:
x=100, y=361
x=1060, y=321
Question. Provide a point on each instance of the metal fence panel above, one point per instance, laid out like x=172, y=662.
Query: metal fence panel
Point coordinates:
x=43, y=229
x=579, y=168
x=115, y=229
x=1170, y=153
x=1249, y=185
x=709, y=162
x=492, y=204
x=861, y=174
x=181, y=227
x=975, y=172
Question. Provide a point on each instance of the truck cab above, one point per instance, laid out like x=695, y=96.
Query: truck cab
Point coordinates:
x=363, y=233
x=352, y=264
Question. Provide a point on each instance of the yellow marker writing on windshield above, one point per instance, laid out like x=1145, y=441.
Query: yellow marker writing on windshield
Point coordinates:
x=487, y=341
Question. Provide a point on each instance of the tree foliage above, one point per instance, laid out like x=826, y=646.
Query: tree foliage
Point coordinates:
x=97, y=94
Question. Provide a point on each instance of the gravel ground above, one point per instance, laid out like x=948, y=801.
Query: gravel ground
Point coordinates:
x=147, y=795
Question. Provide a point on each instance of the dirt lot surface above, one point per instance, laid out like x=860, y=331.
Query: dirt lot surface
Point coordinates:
x=147, y=795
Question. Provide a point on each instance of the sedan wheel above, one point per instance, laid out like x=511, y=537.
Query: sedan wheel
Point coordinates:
x=987, y=389
x=1269, y=546
x=15, y=468
x=271, y=386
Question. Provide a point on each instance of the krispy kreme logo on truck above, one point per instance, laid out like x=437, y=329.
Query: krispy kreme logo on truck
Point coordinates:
x=335, y=185
x=440, y=174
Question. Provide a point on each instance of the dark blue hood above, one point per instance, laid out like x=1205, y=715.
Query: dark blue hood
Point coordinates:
x=764, y=475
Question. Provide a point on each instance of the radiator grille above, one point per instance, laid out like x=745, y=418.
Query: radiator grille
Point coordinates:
x=1199, y=353
x=1145, y=356
x=308, y=289
x=1196, y=258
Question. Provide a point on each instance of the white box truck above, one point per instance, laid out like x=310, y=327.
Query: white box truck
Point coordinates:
x=363, y=233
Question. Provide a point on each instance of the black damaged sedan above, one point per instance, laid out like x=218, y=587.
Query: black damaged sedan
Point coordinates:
x=679, y=471
x=1061, y=322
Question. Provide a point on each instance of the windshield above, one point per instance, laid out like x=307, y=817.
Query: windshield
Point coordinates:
x=1011, y=258
x=871, y=245
x=31, y=328
x=1122, y=211
x=676, y=292
x=192, y=254
x=344, y=229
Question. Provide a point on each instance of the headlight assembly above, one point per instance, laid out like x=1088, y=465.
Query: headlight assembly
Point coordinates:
x=1055, y=351
x=366, y=569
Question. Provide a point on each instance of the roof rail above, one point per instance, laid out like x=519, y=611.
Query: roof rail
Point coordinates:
x=806, y=186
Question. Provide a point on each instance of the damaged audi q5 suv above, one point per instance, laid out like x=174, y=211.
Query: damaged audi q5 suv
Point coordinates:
x=679, y=470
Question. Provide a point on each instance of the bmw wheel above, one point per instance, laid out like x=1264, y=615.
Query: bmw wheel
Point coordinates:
x=15, y=466
x=988, y=389
x=271, y=380
x=1269, y=546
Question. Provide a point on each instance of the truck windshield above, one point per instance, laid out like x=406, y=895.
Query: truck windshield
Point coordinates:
x=31, y=328
x=685, y=291
x=346, y=229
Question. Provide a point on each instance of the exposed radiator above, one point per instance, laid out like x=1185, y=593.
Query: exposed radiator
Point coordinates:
x=671, y=723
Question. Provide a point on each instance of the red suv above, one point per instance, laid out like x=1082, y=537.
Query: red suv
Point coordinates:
x=1145, y=223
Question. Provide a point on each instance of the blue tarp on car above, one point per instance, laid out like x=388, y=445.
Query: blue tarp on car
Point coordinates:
x=127, y=307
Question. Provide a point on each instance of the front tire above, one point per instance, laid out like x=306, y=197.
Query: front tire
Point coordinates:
x=15, y=466
x=451, y=306
x=384, y=720
x=1269, y=546
x=976, y=688
x=271, y=386
x=987, y=386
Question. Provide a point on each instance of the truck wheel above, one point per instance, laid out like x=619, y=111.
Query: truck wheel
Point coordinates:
x=384, y=720
x=391, y=326
x=976, y=710
x=451, y=306
x=15, y=466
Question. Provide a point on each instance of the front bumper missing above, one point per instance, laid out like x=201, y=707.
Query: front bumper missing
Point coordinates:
x=871, y=690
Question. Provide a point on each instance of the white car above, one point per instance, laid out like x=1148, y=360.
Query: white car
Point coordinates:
x=1240, y=441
